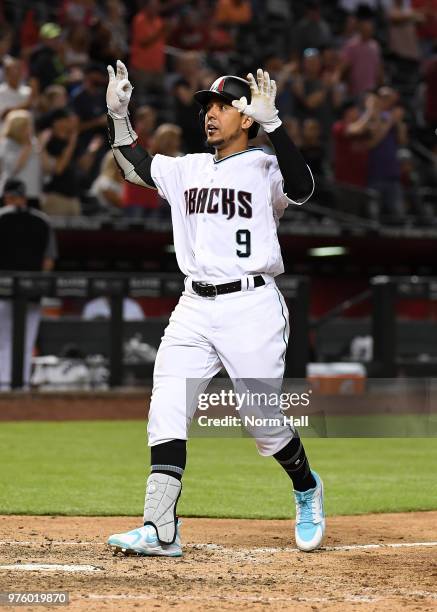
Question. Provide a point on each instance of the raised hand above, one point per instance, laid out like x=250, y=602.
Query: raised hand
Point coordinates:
x=262, y=107
x=119, y=90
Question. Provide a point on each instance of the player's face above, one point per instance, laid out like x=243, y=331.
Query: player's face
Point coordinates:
x=223, y=123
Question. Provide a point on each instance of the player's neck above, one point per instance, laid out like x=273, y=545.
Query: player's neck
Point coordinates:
x=230, y=149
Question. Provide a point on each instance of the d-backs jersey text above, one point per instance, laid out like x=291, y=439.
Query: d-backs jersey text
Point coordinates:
x=224, y=212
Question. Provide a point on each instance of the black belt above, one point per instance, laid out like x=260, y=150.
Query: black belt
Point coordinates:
x=211, y=291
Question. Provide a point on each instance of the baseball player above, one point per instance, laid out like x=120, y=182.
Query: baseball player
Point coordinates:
x=225, y=209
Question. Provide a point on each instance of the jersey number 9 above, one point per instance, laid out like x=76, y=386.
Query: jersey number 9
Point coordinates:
x=243, y=239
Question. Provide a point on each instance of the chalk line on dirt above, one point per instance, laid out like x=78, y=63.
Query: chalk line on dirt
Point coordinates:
x=221, y=548
x=241, y=597
x=253, y=598
x=50, y=567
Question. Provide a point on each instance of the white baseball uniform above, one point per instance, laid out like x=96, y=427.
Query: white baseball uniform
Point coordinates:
x=225, y=215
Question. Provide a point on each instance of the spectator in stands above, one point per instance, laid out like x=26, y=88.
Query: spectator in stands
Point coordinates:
x=284, y=74
x=89, y=104
x=6, y=35
x=147, y=51
x=430, y=77
x=188, y=81
x=14, y=94
x=167, y=140
x=318, y=94
x=115, y=20
x=233, y=12
x=279, y=10
x=60, y=161
x=46, y=63
x=411, y=183
x=427, y=28
x=311, y=31
x=429, y=172
x=388, y=133
x=348, y=29
x=351, y=135
x=54, y=97
x=108, y=186
x=77, y=46
x=361, y=55
x=20, y=154
x=312, y=148
x=293, y=128
x=105, y=47
x=27, y=243
x=331, y=60
x=136, y=200
x=78, y=12
x=28, y=33
x=402, y=20
x=191, y=33
x=89, y=160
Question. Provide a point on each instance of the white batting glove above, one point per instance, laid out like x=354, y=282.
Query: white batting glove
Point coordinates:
x=119, y=91
x=262, y=107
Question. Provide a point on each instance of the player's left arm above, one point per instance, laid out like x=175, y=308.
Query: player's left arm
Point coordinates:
x=297, y=177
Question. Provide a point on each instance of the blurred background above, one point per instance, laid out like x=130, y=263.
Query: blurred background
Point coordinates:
x=357, y=91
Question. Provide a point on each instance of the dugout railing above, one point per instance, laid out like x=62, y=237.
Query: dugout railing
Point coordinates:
x=386, y=291
x=384, y=327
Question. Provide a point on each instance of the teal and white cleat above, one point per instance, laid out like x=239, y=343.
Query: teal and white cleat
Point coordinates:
x=144, y=541
x=310, y=516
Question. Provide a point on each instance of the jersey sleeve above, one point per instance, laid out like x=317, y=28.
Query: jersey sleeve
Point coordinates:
x=280, y=200
x=166, y=174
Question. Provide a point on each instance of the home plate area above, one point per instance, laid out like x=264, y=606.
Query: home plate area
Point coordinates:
x=372, y=562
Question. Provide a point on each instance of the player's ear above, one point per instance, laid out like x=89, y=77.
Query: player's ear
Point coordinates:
x=246, y=122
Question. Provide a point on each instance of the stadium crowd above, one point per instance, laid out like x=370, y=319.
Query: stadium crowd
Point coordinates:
x=357, y=90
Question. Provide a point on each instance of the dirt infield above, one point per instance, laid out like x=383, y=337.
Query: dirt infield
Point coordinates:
x=74, y=405
x=373, y=562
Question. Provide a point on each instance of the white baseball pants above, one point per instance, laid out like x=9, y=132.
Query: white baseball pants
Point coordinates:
x=246, y=332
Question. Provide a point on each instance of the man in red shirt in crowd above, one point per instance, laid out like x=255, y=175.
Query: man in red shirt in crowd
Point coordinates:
x=351, y=136
x=147, y=50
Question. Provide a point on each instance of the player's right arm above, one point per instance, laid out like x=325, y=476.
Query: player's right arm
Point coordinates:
x=132, y=159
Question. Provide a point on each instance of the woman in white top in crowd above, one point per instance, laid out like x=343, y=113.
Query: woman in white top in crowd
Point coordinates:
x=108, y=186
x=20, y=154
